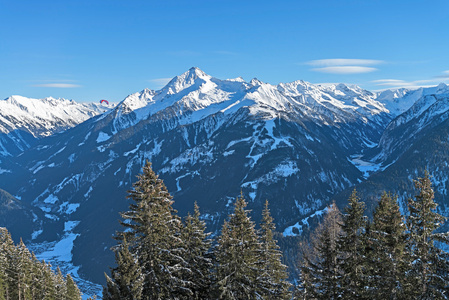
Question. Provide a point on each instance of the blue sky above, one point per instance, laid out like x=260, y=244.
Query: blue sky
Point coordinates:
x=92, y=50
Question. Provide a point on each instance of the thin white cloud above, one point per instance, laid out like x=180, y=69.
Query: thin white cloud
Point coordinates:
x=339, y=62
x=398, y=83
x=345, y=69
x=390, y=82
x=57, y=85
x=445, y=74
x=160, y=82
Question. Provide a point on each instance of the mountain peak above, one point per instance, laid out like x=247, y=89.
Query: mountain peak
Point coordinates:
x=255, y=82
x=442, y=88
x=195, y=71
x=193, y=76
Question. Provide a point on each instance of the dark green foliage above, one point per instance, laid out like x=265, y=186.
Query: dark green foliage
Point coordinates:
x=387, y=257
x=321, y=268
x=158, y=257
x=273, y=275
x=61, y=289
x=23, y=277
x=392, y=257
x=73, y=293
x=351, y=247
x=428, y=277
x=197, y=256
x=126, y=279
x=155, y=243
x=236, y=257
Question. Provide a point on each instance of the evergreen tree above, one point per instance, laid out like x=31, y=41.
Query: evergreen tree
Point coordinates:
x=2, y=286
x=153, y=231
x=19, y=271
x=273, y=273
x=60, y=284
x=127, y=278
x=387, y=257
x=304, y=290
x=322, y=268
x=197, y=256
x=428, y=277
x=6, y=249
x=24, y=277
x=73, y=292
x=36, y=279
x=351, y=250
x=50, y=291
x=236, y=255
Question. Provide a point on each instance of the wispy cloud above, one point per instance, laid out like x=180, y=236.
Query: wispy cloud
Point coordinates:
x=57, y=85
x=345, y=69
x=344, y=65
x=338, y=62
x=398, y=83
x=391, y=82
x=444, y=75
x=160, y=82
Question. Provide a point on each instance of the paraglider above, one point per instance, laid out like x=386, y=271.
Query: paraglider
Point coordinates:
x=104, y=101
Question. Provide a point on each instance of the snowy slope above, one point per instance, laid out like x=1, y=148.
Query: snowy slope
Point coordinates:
x=195, y=95
x=208, y=139
x=23, y=120
x=400, y=100
x=429, y=108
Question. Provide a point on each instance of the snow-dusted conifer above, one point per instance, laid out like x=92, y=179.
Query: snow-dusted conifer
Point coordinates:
x=50, y=292
x=322, y=267
x=236, y=257
x=73, y=292
x=126, y=281
x=351, y=250
x=24, y=277
x=6, y=250
x=387, y=257
x=197, y=255
x=60, y=284
x=304, y=289
x=153, y=231
x=428, y=277
x=273, y=275
x=19, y=275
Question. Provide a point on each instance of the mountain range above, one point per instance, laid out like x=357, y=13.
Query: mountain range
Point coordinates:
x=297, y=144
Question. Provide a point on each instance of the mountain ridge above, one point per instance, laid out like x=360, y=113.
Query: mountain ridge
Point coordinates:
x=25, y=120
x=209, y=139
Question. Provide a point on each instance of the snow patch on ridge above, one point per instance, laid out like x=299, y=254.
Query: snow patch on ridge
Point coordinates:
x=103, y=137
x=297, y=229
x=283, y=170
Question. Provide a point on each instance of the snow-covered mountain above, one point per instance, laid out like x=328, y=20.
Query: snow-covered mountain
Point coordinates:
x=430, y=108
x=293, y=144
x=415, y=141
x=195, y=95
x=24, y=120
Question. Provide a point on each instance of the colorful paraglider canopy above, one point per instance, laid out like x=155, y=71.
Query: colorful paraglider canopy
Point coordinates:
x=104, y=101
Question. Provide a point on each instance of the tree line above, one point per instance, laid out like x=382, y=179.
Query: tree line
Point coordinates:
x=24, y=277
x=392, y=256
x=161, y=256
